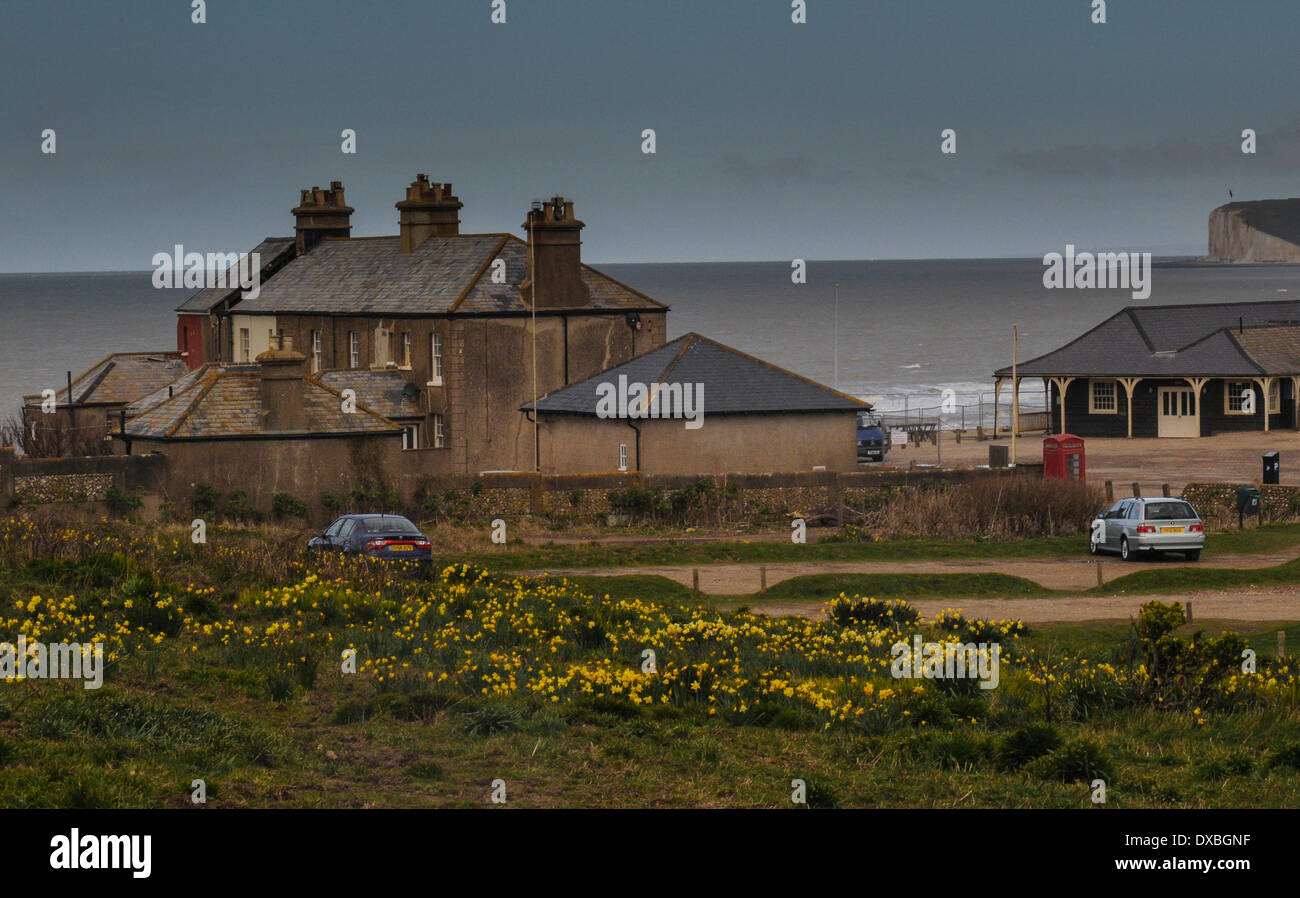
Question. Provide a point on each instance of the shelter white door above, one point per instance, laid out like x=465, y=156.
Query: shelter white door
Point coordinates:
x=1176, y=413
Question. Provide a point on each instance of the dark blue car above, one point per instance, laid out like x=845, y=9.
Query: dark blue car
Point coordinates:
x=388, y=536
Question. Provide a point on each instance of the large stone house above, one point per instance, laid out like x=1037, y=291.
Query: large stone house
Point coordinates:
x=457, y=316
x=396, y=361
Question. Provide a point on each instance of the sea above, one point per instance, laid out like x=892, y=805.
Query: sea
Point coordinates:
x=896, y=333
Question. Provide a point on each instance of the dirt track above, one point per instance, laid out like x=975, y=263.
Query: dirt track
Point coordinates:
x=1259, y=604
x=1249, y=604
x=1054, y=573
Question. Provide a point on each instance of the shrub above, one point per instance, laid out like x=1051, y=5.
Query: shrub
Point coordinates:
x=1286, y=756
x=238, y=508
x=1077, y=761
x=284, y=505
x=279, y=686
x=1223, y=766
x=989, y=507
x=819, y=794
x=426, y=770
x=491, y=719
x=120, y=503
x=858, y=611
x=205, y=501
x=1027, y=744
x=959, y=751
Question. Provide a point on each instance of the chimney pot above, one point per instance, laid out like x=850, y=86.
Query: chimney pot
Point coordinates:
x=555, y=242
x=321, y=214
x=281, y=388
x=429, y=210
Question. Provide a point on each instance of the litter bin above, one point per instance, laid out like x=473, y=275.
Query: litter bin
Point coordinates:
x=1247, y=503
x=1272, y=467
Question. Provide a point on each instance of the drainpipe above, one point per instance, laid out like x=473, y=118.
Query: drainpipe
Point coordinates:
x=637, y=430
x=537, y=444
x=565, y=320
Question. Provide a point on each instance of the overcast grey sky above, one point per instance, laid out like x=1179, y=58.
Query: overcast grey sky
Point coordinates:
x=774, y=140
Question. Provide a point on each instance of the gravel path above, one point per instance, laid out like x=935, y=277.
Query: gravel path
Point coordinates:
x=1248, y=604
x=1077, y=572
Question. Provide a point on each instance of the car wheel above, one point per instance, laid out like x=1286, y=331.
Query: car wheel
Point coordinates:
x=1124, y=550
x=1094, y=548
x=1194, y=555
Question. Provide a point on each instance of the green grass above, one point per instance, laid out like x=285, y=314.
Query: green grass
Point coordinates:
x=162, y=722
x=902, y=586
x=1267, y=539
x=823, y=587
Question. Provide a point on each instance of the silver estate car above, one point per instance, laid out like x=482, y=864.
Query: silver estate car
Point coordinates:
x=1133, y=526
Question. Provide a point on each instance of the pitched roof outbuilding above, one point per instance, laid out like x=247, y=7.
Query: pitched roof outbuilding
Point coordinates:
x=120, y=378
x=384, y=392
x=1201, y=340
x=228, y=404
x=734, y=383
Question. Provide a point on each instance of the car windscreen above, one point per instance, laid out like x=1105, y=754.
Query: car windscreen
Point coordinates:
x=392, y=524
x=1169, y=511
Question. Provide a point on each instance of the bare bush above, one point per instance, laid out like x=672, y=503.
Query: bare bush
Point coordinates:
x=989, y=508
x=54, y=436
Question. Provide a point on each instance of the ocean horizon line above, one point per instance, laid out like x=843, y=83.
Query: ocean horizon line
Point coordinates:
x=1155, y=257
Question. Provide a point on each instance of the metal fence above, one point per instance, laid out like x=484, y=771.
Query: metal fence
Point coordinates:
x=967, y=414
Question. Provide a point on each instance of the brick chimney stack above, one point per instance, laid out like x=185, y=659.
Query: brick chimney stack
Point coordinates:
x=282, y=388
x=320, y=214
x=429, y=210
x=555, y=238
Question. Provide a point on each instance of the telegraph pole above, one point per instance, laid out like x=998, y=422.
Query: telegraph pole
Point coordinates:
x=1015, y=394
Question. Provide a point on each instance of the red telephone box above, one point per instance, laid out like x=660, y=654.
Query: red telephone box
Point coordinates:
x=1063, y=457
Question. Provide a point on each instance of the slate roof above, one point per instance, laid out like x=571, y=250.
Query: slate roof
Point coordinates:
x=273, y=252
x=226, y=404
x=1195, y=340
x=734, y=383
x=151, y=400
x=381, y=391
x=120, y=378
x=443, y=275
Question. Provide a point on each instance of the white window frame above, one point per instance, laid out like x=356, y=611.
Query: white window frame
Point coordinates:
x=622, y=456
x=1093, y=408
x=244, y=339
x=317, y=354
x=354, y=349
x=439, y=433
x=382, y=352
x=1275, y=397
x=410, y=436
x=406, y=350
x=435, y=359
x=1228, y=397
